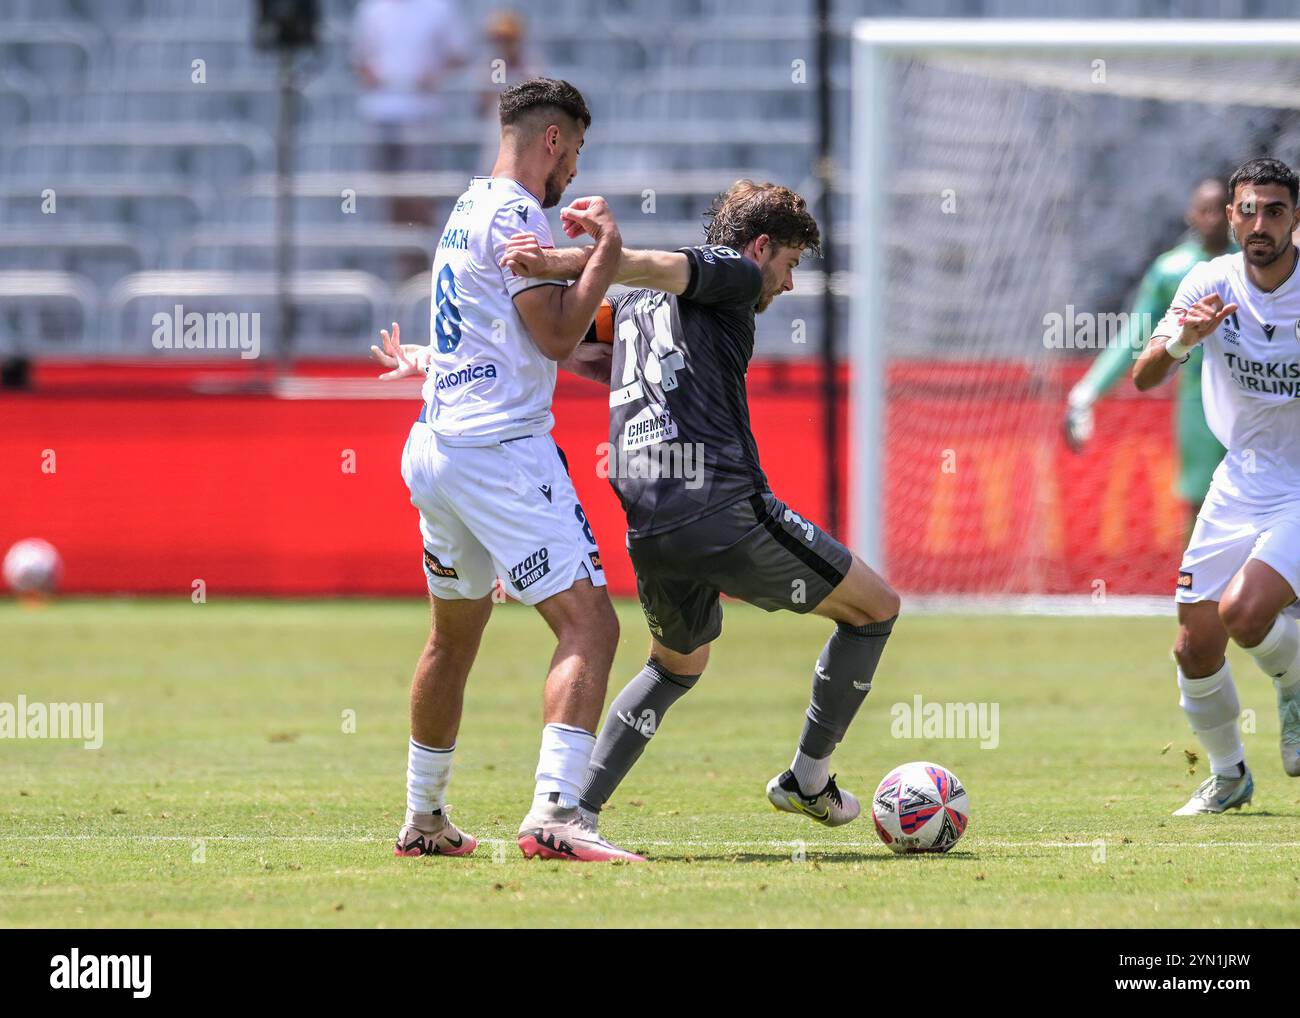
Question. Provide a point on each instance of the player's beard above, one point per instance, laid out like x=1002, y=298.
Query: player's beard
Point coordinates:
x=767, y=295
x=555, y=185
x=1263, y=259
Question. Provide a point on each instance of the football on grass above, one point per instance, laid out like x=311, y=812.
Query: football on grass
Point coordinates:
x=920, y=807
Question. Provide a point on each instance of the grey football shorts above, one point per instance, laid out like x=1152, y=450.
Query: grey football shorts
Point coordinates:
x=757, y=550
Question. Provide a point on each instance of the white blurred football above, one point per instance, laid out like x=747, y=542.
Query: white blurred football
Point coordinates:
x=920, y=807
x=32, y=566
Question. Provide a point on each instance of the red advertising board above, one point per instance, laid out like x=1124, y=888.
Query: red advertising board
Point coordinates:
x=147, y=479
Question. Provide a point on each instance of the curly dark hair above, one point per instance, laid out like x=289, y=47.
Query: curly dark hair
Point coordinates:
x=746, y=210
x=518, y=101
x=1264, y=171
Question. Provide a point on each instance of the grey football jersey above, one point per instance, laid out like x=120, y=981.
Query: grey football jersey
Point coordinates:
x=680, y=445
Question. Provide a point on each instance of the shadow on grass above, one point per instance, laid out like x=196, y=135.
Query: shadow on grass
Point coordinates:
x=1231, y=815
x=822, y=857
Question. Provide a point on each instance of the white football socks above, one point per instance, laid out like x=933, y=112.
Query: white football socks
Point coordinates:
x=811, y=773
x=1212, y=709
x=1278, y=654
x=562, y=765
x=427, y=772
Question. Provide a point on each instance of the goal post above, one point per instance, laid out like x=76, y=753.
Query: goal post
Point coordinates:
x=1003, y=172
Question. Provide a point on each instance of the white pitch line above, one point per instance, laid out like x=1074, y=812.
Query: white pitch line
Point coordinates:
x=788, y=843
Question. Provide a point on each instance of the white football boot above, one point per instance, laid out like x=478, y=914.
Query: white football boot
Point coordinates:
x=831, y=806
x=1288, y=713
x=1218, y=794
x=432, y=834
x=552, y=832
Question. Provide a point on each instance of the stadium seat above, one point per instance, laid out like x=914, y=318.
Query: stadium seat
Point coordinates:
x=101, y=253
x=55, y=51
x=96, y=103
x=47, y=313
x=152, y=204
x=334, y=308
x=365, y=247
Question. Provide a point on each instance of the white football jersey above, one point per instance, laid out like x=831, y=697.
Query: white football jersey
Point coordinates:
x=487, y=379
x=1250, y=380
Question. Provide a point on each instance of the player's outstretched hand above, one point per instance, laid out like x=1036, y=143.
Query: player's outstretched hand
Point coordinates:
x=524, y=256
x=402, y=361
x=590, y=215
x=1204, y=317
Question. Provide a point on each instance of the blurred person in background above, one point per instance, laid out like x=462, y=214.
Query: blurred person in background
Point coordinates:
x=1199, y=452
x=507, y=61
x=403, y=52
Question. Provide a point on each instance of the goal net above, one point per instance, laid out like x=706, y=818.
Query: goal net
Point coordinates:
x=1011, y=182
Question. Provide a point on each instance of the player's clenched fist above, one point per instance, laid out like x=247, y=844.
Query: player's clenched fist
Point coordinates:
x=1204, y=317
x=591, y=216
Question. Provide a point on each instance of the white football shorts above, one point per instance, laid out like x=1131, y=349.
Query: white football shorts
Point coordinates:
x=506, y=509
x=1226, y=536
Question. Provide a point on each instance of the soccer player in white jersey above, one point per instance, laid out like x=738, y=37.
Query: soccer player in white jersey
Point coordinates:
x=1241, y=570
x=491, y=485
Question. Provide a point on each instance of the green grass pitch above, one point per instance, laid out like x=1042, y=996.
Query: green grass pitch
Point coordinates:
x=228, y=793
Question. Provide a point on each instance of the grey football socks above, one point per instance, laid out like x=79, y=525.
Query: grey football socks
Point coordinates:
x=633, y=718
x=841, y=681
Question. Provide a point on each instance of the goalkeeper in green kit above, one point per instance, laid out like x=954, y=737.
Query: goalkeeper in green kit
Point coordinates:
x=1199, y=452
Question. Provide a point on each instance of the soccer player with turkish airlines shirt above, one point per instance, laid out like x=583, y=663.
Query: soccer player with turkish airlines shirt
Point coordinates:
x=1241, y=571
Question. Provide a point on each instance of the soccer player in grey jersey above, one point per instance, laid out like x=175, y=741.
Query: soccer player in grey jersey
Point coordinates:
x=702, y=520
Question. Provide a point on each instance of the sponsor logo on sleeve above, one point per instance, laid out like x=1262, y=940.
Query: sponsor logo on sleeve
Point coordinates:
x=712, y=252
